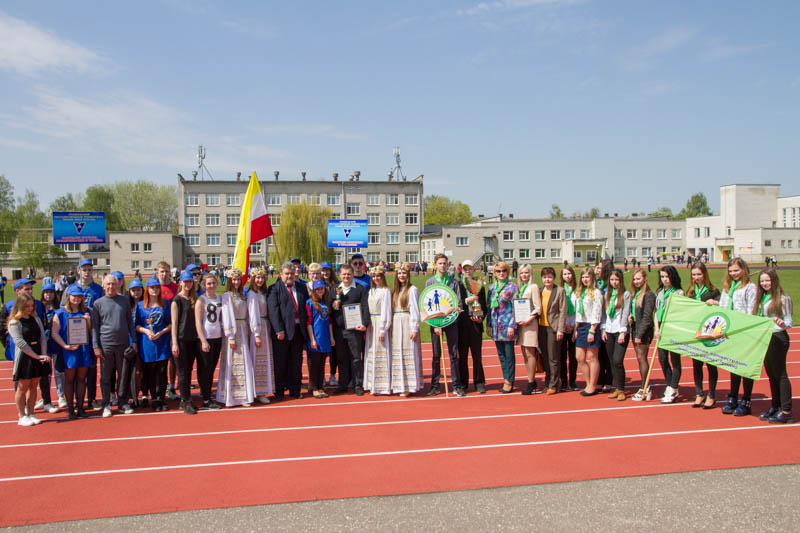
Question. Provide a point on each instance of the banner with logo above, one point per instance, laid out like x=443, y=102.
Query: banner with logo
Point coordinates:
x=727, y=339
x=347, y=233
x=79, y=227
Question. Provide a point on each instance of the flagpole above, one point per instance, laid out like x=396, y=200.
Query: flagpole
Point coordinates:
x=652, y=361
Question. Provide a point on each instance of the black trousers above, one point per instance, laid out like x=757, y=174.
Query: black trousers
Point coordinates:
x=551, y=355
x=91, y=383
x=470, y=341
x=289, y=362
x=713, y=375
x=206, y=366
x=451, y=332
x=775, y=364
x=736, y=380
x=672, y=372
x=187, y=353
x=157, y=379
x=333, y=359
x=605, y=378
x=616, y=358
x=316, y=370
x=349, y=350
x=114, y=363
x=568, y=355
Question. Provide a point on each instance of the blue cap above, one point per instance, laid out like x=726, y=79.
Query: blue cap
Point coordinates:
x=191, y=267
x=74, y=290
x=186, y=275
x=295, y=260
x=48, y=287
x=318, y=284
x=356, y=256
x=85, y=262
x=326, y=264
x=135, y=283
x=153, y=282
x=23, y=281
x=118, y=274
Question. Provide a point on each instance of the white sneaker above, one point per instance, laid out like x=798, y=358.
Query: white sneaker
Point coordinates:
x=668, y=395
x=263, y=399
x=35, y=421
x=50, y=408
x=25, y=421
x=127, y=409
x=39, y=404
x=62, y=402
x=107, y=412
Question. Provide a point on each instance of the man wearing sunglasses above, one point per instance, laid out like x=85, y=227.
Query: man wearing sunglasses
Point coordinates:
x=360, y=275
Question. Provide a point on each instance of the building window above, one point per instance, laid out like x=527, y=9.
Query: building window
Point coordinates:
x=411, y=219
x=569, y=234
x=255, y=248
x=577, y=256
x=648, y=233
x=212, y=239
x=212, y=220
x=508, y=254
x=273, y=199
x=232, y=220
x=373, y=199
x=728, y=231
x=192, y=239
x=676, y=234
x=630, y=252
x=314, y=199
x=538, y=235
x=275, y=220
x=630, y=234
x=352, y=209
x=212, y=259
x=586, y=234
x=412, y=237
x=524, y=235
x=555, y=234
x=645, y=251
x=333, y=198
x=462, y=241
x=661, y=234
x=675, y=249
x=392, y=237
x=539, y=253
x=767, y=243
x=392, y=199
x=373, y=219
x=373, y=237
x=212, y=199
x=192, y=199
x=591, y=255
x=617, y=233
x=412, y=257
x=555, y=253
x=412, y=199
x=134, y=247
x=134, y=265
x=373, y=257
x=192, y=220
x=392, y=219
x=508, y=236
x=524, y=253
x=697, y=233
x=392, y=257
x=661, y=249
x=233, y=200
x=231, y=239
x=71, y=247
x=292, y=198
x=147, y=265
x=147, y=247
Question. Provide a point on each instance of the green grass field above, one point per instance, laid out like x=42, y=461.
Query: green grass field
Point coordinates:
x=790, y=280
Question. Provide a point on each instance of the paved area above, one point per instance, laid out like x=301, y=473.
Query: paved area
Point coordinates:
x=749, y=499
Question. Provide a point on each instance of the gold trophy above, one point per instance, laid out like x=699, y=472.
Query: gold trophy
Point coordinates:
x=475, y=283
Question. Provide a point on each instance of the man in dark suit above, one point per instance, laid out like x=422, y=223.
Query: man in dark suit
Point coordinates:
x=441, y=275
x=470, y=331
x=350, y=342
x=286, y=303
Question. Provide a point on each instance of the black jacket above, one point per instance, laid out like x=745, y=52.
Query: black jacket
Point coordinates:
x=355, y=295
x=464, y=319
x=281, y=309
x=644, y=315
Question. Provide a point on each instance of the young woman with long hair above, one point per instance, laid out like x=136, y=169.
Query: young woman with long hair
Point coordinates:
x=50, y=304
x=185, y=343
x=260, y=338
x=669, y=284
x=406, y=358
x=76, y=358
x=332, y=281
x=772, y=302
x=320, y=335
x=30, y=344
x=568, y=363
x=643, y=304
x=377, y=367
x=588, y=302
x=154, y=323
x=528, y=331
x=235, y=385
x=500, y=322
x=602, y=271
x=208, y=322
x=138, y=378
x=702, y=290
x=615, y=330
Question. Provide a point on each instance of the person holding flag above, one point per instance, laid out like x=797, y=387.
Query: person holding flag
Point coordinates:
x=702, y=290
x=669, y=284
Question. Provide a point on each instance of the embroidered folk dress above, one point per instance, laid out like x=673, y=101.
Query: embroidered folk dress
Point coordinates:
x=377, y=369
x=406, y=359
x=235, y=386
x=261, y=358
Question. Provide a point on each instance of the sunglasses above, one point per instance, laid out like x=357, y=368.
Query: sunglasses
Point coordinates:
x=498, y=270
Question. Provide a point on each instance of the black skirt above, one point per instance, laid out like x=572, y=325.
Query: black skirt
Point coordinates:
x=28, y=368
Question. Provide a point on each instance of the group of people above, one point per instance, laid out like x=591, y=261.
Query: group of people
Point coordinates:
x=366, y=333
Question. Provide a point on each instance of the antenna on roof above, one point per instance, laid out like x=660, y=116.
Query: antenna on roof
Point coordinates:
x=201, y=165
x=397, y=171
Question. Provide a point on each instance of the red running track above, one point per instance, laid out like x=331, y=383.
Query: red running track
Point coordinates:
x=347, y=446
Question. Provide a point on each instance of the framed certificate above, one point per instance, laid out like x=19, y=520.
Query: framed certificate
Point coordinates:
x=77, y=332
x=522, y=309
x=352, y=316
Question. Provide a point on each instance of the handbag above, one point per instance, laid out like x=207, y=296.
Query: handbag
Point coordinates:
x=129, y=353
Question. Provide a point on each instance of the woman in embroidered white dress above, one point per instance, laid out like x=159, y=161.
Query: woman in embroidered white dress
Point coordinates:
x=377, y=370
x=260, y=341
x=406, y=359
x=235, y=385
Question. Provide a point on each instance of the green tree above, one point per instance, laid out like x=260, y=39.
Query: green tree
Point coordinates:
x=68, y=202
x=6, y=194
x=662, y=212
x=101, y=198
x=592, y=213
x=696, y=206
x=303, y=233
x=33, y=233
x=144, y=206
x=556, y=212
x=442, y=211
x=8, y=225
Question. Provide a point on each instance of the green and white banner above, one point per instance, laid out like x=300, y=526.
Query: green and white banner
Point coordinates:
x=727, y=339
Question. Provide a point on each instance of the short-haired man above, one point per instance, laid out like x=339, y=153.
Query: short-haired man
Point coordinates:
x=441, y=275
x=350, y=342
x=360, y=275
x=286, y=302
x=297, y=265
x=168, y=291
x=112, y=329
x=470, y=330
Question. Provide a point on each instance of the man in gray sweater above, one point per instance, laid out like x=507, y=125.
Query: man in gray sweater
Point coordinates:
x=112, y=331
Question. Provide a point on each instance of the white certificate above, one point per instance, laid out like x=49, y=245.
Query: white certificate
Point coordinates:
x=77, y=332
x=352, y=316
x=522, y=309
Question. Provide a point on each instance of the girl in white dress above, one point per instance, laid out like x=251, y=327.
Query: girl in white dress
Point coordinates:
x=406, y=359
x=260, y=341
x=377, y=370
x=235, y=386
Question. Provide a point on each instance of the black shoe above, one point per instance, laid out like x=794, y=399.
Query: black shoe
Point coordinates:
x=81, y=413
x=71, y=414
x=297, y=395
x=702, y=399
x=434, y=391
x=584, y=393
x=529, y=388
x=359, y=391
x=573, y=386
x=481, y=388
x=164, y=406
x=781, y=418
x=278, y=396
x=189, y=408
x=504, y=391
x=730, y=406
x=145, y=402
x=743, y=408
x=769, y=413
x=460, y=392
x=337, y=392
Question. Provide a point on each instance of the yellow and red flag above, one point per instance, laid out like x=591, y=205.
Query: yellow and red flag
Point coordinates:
x=254, y=225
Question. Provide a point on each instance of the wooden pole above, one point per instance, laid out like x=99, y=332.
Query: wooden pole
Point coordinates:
x=444, y=362
x=650, y=368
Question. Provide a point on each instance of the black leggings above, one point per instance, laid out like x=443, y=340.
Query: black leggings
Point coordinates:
x=568, y=355
x=775, y=364
x=616, y=357
x=206, y=366
x=713, y=375
x=316, y=370
x=748, y=387
x=605, y=378
x=187, y=353
x=672, y=374
x=156, y=373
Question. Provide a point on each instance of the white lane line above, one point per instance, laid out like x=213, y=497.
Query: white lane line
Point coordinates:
x=395, y=452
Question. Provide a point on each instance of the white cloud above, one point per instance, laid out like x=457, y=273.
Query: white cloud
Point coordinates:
x=484, y=8
x=21, y=144
x=719, y=49
x=642, y=57
x=659, y=87
x=28, y=49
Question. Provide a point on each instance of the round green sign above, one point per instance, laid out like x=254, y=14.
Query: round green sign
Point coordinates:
x=438, y=305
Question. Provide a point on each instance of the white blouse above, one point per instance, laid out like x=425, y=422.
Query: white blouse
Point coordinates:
x=743, y=299
x=592, y=307
x=618, y=324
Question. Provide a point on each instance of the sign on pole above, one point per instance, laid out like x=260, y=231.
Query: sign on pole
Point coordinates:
x=79, y=227
x=347, y=233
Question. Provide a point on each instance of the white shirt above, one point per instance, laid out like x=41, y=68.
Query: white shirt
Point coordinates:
x=592, y=307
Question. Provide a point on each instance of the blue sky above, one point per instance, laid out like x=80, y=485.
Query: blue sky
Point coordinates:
x=509, y=104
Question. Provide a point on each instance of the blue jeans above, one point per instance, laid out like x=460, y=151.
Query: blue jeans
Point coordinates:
x=505, y=352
